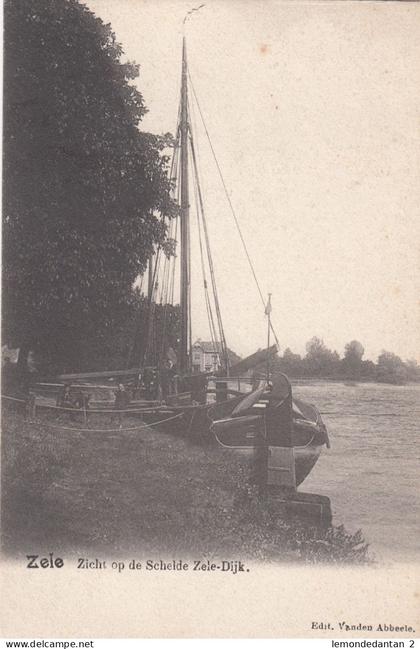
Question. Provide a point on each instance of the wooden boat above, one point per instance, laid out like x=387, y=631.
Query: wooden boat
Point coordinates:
x=235, y=407
x=223, y=407
x=239, y=421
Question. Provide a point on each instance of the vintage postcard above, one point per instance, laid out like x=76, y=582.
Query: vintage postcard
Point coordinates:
x=210, y=319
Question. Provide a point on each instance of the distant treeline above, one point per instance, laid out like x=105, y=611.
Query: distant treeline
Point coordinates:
x=321, y=362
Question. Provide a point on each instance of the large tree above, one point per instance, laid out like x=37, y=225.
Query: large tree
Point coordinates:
x=290, y=363
x=390, y=368
x=319, y=360
x=84, y=187
x=352, y=361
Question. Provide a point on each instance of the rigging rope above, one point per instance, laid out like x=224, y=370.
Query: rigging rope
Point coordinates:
x=169, y=297
x=148, y=411
x=203, y=270
x=172, y=285
x=114, y=430
x=231, y=205
x=169, y=264
x=210, y=260
x=151, y=346
x=202, y=224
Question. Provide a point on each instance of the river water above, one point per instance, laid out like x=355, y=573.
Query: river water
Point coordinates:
x=371, y=473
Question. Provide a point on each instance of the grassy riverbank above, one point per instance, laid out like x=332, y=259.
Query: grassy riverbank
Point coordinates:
x=143, y=491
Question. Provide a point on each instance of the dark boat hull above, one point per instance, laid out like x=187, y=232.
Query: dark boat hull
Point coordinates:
x=230, y=422
x=207, y=422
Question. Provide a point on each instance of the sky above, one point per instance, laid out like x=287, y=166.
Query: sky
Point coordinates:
x=313, y=111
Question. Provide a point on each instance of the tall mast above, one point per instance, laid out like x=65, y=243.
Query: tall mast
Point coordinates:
x=184, y=360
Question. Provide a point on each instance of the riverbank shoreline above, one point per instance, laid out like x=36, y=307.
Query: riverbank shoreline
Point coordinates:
x=68, y=488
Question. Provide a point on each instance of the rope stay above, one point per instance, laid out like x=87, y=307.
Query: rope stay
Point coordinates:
x=163, y=277
x=164, y=270
x=219, y=342
x=164, y=266
x=223, y=345
x=115, y=430
x=232, y=209
x=151, y=410
x=209, y=310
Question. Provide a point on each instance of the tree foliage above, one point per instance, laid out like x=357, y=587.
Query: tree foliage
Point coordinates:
x=354, y=351
x=391, y=368
x=413, y=369
x=84, y=187
x=319, y=359
x=290, y=363
x=321, y=362
x=352, y=361
x=123, y=342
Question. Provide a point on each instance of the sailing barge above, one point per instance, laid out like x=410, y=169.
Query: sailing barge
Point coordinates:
x=241, y=413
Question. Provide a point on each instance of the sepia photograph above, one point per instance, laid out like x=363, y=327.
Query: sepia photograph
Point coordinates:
x=210, y=314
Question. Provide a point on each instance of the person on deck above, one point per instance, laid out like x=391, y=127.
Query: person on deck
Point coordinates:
x=8, y=377
x=121, y=402
x=64, y=399
x=171, y=371
x=10, y=385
